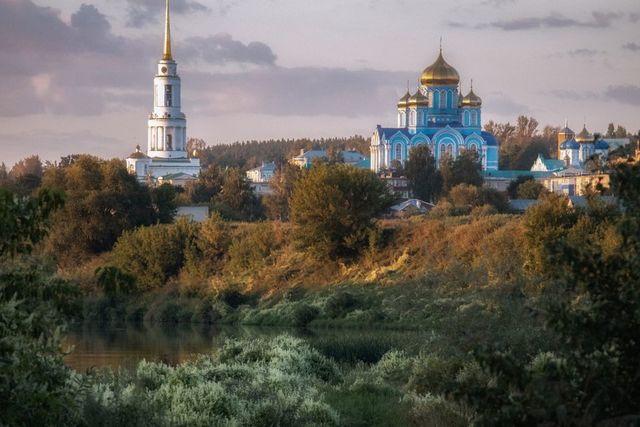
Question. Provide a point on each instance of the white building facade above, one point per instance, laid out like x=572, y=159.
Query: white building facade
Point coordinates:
x=167, y=125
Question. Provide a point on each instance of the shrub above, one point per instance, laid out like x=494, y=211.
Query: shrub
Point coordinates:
x=303, y=314
x=339, y=303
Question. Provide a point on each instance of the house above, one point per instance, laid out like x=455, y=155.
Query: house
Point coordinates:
x=411, y=207
x=350, y=157
x=547, y=165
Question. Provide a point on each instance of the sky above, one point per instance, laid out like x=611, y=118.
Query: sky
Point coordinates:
x=77, y=75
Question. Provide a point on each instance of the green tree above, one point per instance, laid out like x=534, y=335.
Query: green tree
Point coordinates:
x=236, y=199
x=334, y=208
x=36, y=388
x=115, y=282
x=465, y=169
x=420, y=169
x=611, y=131
x=24, y=221
x=164, y=202
x=282, y=185
x=530, y=189
x=593, y=377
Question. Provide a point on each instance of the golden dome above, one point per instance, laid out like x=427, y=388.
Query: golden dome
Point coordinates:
x=418, y=100
x=584, y=135
x=402, y=103
x=439, y=73
x=471, y=99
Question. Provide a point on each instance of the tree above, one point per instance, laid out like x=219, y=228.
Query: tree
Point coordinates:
x=466, y=169
x=611, y=130
x=236, y=199
x=334, y=208
x=593, y=377
x=282, y=184
x=164, y=202
x=424, y=178
x=24, y=221
x=206, y=187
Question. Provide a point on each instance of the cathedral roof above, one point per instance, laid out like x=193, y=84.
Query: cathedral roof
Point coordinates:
x=418, y=99
x=602, y=145
x=584, y=135
x=439, y=73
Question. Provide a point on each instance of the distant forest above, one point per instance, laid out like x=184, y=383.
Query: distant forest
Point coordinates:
x=249, y=154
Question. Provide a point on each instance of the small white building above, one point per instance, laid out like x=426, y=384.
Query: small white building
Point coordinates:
x=166, y=158
x=262, y=173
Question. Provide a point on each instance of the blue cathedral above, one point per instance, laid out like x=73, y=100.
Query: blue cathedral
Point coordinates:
x=438, y=115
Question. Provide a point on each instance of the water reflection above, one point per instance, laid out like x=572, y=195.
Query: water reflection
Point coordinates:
x=123, y=346
x=99, y=346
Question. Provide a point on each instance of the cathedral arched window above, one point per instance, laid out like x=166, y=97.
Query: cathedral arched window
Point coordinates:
x=466, y=118
x=449, y=99
x=473, y=147
x=443, y=99
x=403, y=118
x=398, y=153
x=474, y=118
x=412, y=117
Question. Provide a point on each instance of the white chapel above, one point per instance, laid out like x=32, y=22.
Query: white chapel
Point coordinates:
x=166, y=159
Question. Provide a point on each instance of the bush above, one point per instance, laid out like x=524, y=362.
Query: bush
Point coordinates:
x=303, y=314
x=339, y=303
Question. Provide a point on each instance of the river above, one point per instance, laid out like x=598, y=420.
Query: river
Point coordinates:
x=95, y=347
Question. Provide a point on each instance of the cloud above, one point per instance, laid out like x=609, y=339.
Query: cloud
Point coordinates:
x=583, y=52
x=300, y=91
x=221, y=49
x=626, y=94
x=143, y=12
x=553, y=20
x=500, y=104
x=632, y=46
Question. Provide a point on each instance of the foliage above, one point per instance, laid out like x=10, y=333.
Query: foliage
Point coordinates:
x=593, y=376
x=252, y=250
x=204, y=257
x=103, y=200
x=465, y=169
x=24, y=221
x=164, y=202
x=424, y=179
x=115, y=282
x=282, y=185
x=153, y=254
x=334, y=208
x=253, y=382
x=236, y=200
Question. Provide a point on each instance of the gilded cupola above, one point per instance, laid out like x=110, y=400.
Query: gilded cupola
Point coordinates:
x=584, y=135
x=404, y=101
x=439, y=73
x=418, y=100
x=471, y=99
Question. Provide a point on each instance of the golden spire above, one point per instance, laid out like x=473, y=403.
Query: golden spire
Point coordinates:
x=167, y=36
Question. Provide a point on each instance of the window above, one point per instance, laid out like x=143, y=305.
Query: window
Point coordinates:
x=169, y=142
x=449, y=99
x=412, y=116
x=474, y=118
x=466, y=118
x=473, y=147
x=443, y=99
x=398, y=155
x=168, y=95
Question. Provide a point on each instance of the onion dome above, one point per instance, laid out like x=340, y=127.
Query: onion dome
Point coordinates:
x=570, y=144
x=584, y=135
x=402, y=102
x=418, y=100
x=138, y=154
x=566, y=130
x=439, y=73
x=471, y=99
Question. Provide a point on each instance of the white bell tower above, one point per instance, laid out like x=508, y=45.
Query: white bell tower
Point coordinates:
x=167, y=124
